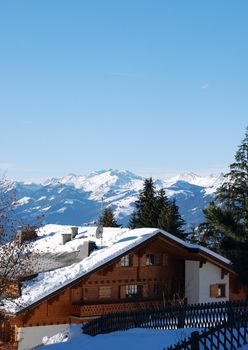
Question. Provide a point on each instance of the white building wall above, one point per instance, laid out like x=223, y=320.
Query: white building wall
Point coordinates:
x=199, y=279
x=30, y=337
x=192, y=281
x=211, y=274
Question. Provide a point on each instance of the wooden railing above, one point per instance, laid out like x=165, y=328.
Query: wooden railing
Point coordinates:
x=109, y=308
x=186, y=316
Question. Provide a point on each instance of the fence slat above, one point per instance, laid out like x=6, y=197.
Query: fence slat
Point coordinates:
x=207, y=315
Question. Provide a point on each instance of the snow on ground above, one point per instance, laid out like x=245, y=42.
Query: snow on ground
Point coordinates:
x=137, y=338
x=63, y=336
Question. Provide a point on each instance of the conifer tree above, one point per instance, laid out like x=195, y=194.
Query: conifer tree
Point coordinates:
x=134, y=221
x=107, y=219
x=171, y=220
x=227, y=217
x=155, y=210
x=162, y=206
x=146, y=205
x=163, y=221
x=162, y=202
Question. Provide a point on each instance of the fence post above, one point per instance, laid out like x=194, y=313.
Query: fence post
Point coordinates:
x=230, y=312
x=181, y=318
x=195, y=341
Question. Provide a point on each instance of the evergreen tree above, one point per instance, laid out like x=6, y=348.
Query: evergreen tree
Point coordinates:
x=155, y=210
x=134, y=221
x=171, y=221
x=107, y=219
x=227, y=218
x=146, y=205
x=163, y=221
x=162, y=202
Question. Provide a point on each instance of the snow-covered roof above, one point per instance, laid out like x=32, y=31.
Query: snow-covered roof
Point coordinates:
x=116, y=242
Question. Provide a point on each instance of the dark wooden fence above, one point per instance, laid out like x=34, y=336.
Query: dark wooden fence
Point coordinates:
x=185, y=316
x=230, y=335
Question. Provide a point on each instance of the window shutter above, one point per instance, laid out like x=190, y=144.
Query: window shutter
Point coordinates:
x=214, y=290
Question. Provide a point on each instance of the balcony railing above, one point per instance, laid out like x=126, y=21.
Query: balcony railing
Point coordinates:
x=92, y=310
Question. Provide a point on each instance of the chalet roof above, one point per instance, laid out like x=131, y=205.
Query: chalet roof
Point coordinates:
x=48, y=283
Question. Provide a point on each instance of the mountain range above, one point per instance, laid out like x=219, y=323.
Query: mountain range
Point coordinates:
x=77, y=200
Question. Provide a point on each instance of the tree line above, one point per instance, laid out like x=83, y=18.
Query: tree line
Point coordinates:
x=225, y=229
x=226, y=219
x=152, y=209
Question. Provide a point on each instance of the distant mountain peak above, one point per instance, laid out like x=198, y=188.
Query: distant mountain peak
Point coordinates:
x=76, y=199
x=198, y=180
x=188, y=177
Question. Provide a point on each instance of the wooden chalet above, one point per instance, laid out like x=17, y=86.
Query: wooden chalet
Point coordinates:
x=145, y=268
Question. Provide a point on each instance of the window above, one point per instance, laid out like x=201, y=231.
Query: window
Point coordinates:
x=217, y=290
x=133, y=290
x=104, y=292
x=153, y=259
x=125, y=260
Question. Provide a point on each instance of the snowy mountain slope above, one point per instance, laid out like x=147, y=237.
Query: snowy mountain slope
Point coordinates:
x=101, y=183
x=77, y=200
x=209, y=183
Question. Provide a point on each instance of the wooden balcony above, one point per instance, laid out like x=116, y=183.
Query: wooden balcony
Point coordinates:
x=96, y=310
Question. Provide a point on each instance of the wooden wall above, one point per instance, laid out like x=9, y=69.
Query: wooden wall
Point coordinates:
x=237, y=291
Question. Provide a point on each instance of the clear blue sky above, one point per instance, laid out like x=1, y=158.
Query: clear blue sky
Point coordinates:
x=158, y=87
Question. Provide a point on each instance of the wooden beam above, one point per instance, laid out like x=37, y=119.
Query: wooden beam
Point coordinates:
x=223, y=273
x=202, y=262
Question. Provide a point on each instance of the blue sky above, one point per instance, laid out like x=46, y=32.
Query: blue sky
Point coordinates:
x=156, y=87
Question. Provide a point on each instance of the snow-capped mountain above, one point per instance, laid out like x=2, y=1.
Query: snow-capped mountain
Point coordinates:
x=76, y=199
x=209, y=183
x=100, y=183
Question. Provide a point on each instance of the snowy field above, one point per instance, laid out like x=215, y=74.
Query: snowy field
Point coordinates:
x=138, y=339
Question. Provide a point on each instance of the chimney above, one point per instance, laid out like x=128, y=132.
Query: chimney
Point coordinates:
x=86, y=249
x=74, y=231
x=66, y=237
